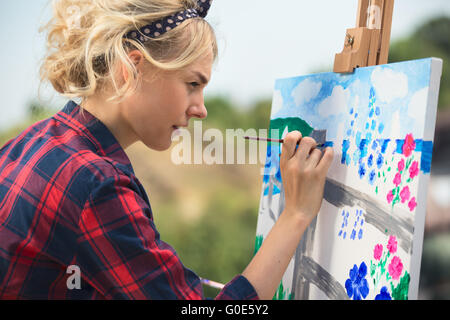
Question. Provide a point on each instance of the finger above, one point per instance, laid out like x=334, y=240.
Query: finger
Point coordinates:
x=325, y=163
x=305, y=147
x=314, y=158
x=289, y=144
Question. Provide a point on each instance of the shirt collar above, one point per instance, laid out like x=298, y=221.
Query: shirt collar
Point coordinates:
x=96, y=132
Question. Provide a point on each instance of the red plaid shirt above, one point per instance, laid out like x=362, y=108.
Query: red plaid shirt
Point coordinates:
x=69, y=196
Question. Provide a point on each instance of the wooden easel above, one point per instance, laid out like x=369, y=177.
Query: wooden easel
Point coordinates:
x=368, y=43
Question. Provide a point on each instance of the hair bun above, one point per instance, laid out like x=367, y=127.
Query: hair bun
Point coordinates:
x=85, y=43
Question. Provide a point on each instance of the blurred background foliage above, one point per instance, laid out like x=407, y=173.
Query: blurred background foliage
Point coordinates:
x=209, y=213
x=430, y=40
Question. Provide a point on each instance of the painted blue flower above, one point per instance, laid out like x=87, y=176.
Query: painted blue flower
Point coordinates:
x=380, y=160
x=357, y=285
x=377, y=111
x=374, y=125
x=360, y=233
x=370, y=161
x=374, y=145
x=362, y=170
x=372, y=177
x=383, y=295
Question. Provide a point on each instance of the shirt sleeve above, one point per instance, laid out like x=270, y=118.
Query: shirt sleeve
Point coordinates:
x=121, y=255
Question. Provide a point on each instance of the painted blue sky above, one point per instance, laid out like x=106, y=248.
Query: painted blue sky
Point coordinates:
x=330, y=101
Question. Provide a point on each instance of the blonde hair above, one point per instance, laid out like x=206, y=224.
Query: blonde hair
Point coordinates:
x=86, y=44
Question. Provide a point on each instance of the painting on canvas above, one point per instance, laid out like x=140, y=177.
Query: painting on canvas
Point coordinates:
x=366, y=242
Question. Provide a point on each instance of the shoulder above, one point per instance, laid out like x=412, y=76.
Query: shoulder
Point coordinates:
x=57, y=159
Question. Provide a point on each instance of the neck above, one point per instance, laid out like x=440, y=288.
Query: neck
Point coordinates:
x=110, y=115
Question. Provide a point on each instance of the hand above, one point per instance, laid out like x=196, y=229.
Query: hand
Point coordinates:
x=303, y=172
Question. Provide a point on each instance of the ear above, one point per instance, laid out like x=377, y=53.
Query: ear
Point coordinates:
x=138, y=60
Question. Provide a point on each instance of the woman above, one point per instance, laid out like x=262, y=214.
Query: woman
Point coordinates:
x=69, y=196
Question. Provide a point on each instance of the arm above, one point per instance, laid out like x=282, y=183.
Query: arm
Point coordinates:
x=303, y=173
x=121, y=255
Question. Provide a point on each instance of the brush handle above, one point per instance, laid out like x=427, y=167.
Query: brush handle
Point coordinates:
x=212, y=284
x=275, y=140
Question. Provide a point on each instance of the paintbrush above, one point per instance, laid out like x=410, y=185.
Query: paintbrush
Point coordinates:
x=277, y=140
x=212, y=284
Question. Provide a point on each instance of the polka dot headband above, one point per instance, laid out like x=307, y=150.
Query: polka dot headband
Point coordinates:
x=157, y=28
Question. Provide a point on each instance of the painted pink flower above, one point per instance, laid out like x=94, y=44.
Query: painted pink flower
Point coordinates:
x=390, y=196
x=414, y=170
x=395, y=268
x=405, y=194
x=412, y=204
x=397, y=179
x=409, y=145
x=392, y=244
x=377, y=251
x=401, y=165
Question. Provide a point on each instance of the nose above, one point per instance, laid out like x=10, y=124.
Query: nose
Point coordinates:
x=198, y=111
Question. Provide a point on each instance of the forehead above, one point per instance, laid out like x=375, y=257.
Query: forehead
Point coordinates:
x=202, y=65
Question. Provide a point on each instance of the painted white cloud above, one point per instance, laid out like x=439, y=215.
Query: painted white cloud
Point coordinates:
x=389, y=84
x=418, y=104
x=416, y=110
x=277, y=102
x=336, y=103
x=306, y=91
x=395, y=125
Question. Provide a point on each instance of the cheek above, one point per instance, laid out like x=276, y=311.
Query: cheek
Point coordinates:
x=149, y=116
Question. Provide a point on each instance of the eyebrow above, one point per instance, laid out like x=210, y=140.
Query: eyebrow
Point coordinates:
x=202, y=78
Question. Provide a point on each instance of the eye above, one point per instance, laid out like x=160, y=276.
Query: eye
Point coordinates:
x=194, y=84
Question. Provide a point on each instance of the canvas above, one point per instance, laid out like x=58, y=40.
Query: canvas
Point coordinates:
x=366, y=242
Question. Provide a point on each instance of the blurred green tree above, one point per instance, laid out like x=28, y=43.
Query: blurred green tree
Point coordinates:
x=432, y=39
x=222, y=113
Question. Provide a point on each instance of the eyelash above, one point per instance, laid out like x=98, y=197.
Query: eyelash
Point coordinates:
x=194, y=84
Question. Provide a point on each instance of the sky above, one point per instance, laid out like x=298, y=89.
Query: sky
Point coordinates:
x=259, y=42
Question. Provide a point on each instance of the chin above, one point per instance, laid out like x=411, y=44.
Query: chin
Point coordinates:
x=158, y=146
